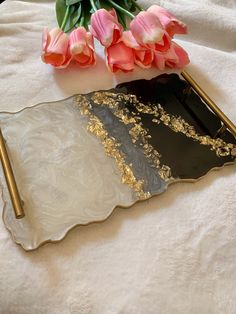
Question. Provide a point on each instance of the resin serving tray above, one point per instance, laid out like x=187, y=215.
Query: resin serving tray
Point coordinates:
x=77, y=159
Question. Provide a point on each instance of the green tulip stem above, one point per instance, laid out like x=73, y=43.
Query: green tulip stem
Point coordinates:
x=63, y=24
x=93, y=5
x=121, y=9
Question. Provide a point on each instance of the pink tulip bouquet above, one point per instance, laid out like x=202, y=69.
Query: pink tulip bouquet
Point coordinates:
x=130, y=35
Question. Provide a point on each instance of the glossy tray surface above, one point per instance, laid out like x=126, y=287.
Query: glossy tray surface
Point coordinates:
x=77, y=159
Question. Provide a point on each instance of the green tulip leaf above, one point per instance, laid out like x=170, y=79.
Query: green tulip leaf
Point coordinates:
x=60, y=11
x=77, y=15
x=74, y=17
x=71, y=2
x=105, y=5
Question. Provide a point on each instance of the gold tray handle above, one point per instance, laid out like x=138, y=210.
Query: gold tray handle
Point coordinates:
x=229, y=124
x=10, y=179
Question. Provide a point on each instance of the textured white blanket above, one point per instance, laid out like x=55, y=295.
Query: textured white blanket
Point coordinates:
x=174, y=254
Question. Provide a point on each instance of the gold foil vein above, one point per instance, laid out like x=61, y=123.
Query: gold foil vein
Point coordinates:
x=178, y=124
x=140, y=136
x=111, y=146
x=137, y=132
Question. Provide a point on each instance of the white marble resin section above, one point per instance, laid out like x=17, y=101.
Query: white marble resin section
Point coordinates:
x=63, y=174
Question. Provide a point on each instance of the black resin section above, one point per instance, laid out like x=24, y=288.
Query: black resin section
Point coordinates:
x=187, y=157
x=173, y=94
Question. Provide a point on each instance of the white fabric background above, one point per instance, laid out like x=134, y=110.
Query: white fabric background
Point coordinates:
x=174, y=254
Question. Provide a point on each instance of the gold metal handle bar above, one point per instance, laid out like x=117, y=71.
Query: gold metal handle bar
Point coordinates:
x=229, y=124
x=11, y=183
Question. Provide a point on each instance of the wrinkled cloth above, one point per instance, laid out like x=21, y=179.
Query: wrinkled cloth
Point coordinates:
x=175, y=253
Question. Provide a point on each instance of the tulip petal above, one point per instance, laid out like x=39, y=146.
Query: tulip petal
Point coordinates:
x=169, y=22
x=144, y=58
x=45, y=39
x=146, y=28
x=119, y=57
x=164, y=44
x=183, y=58
x=81, y=47
x=159, y=60
x=55, y=48
x=129, y=40
x=105, y=27
x=176, y=57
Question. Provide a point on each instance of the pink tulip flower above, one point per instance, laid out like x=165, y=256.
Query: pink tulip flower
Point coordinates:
x=176, y=57
x=81, y=47
x=143, y=57
x=120, y=57
x=163, y=45
x=55, y=48
x=148, y=31
x=159, y=60
x=105, y=27
x=170, y=23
